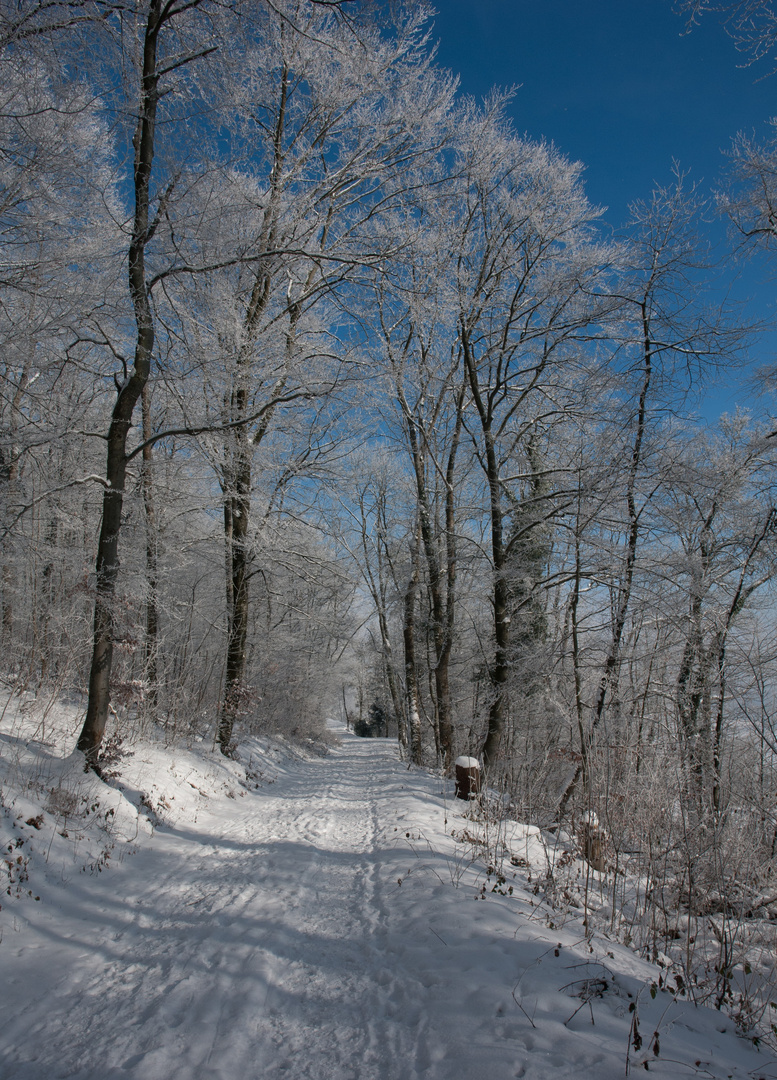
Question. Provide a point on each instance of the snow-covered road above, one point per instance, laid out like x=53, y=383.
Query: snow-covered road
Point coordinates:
x=268, y=936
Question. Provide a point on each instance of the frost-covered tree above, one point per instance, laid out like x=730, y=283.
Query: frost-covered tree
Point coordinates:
x=330, y=117
x=152, y=52
x=527, y=277
x=665, y=333
x=59, y=244
x=421, y=397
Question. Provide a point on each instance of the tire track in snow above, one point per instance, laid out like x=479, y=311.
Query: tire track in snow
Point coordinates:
x=342, y=1023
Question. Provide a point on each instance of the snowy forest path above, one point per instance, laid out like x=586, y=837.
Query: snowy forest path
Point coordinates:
x=254, y=943
x=324, y=925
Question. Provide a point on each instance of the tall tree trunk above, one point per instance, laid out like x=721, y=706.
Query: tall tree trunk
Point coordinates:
x=152, y=574
x=129, y=392
x=46, y=601
x=441, y=565
x=237, y=516
x=392, y=677
x=411, y=719
x=612, y=661
x=237, y=495
x=499, y=669
x=575, y=627
x=447, y=607
x=694, y=702
x=237, y=521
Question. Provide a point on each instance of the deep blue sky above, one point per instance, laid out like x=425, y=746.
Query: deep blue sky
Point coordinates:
x=616, y=84
x=622, y=87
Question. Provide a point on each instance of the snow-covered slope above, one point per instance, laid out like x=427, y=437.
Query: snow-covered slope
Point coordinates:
x=318, y=920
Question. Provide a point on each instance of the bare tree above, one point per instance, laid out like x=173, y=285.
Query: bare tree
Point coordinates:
x=526, y=273
x=410, y=318
x=334, y=117
x=669, y=334
x=164, y=39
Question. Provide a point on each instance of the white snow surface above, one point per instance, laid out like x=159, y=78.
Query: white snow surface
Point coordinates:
x=328, y=918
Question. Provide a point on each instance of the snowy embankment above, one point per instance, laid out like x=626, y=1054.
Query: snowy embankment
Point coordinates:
x=314, y=919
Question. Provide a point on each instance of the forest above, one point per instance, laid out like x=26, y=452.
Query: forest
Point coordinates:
x=323, y=391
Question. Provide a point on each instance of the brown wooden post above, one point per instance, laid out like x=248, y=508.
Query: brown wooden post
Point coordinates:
x=467, y=777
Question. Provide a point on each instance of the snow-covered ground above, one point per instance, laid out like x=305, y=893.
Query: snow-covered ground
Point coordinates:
x=323, y=918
